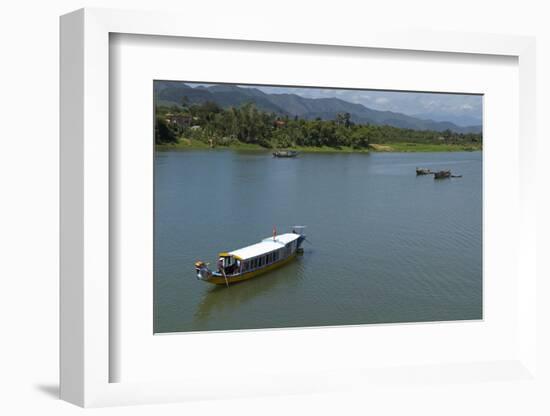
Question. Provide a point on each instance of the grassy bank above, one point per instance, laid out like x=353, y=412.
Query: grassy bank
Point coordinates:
x=327, y=149
x=191, y=144
x=423, y=147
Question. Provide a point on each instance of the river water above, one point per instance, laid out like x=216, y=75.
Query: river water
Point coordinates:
x=386, y=245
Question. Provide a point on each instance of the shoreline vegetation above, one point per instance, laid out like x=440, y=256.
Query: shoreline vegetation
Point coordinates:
x=209, y=126
x=397, y=147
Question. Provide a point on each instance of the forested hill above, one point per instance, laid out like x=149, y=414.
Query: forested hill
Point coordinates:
x=292, y=105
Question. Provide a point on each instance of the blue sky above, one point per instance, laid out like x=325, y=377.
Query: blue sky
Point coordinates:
x=461, y=109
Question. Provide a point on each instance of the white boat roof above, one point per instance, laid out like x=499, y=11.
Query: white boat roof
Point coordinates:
x=265, y=246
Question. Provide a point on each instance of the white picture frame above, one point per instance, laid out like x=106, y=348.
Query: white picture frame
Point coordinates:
x=85, y=208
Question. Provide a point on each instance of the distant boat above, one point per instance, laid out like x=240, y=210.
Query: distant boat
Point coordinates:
x=251, y=261
x=285, y=153
x=442, y=174
x=423, y=171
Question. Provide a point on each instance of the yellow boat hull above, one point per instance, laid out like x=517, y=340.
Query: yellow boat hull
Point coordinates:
x=219, y=280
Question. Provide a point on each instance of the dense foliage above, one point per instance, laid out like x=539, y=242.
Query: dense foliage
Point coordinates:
x=163, y=132
x=214, y=125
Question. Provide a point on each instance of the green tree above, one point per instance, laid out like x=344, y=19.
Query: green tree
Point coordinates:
x=163, y=133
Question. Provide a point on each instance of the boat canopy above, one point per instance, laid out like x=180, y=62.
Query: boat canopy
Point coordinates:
x=267, y=245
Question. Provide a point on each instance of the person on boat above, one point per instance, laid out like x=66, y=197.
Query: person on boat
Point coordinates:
x=220, y=265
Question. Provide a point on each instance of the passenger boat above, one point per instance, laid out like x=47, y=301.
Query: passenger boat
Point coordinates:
x=285, y=153
x=251, y=261
x=442, y=174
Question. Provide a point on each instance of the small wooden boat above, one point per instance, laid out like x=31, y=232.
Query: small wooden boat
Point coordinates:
x=442, y=174
x=285, y=153
x=251, y=261
x=423, y=171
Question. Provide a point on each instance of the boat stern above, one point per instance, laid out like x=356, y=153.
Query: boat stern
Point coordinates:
x=299, y=229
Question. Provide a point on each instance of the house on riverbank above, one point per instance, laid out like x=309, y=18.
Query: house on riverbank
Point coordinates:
x=179, y=120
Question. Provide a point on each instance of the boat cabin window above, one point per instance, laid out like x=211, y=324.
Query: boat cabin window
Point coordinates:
x=228, y=261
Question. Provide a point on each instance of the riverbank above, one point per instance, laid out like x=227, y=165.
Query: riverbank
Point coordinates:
x=191, y=144
x=424, y=147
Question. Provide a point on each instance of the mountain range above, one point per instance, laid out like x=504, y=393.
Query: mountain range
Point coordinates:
x=226, y=95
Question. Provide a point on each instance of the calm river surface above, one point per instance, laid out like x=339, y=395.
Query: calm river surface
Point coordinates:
x=386, y=245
